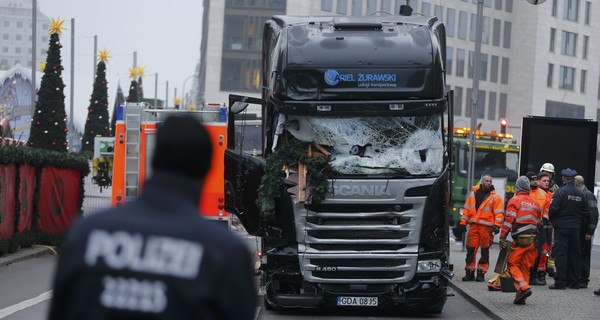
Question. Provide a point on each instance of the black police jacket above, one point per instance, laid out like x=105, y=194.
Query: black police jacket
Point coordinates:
x=568, y=208
x=154, y=258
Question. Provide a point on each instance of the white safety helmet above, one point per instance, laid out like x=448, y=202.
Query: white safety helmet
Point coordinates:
x=549, y=167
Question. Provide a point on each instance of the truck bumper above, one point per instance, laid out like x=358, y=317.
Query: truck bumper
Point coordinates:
x=423, y=293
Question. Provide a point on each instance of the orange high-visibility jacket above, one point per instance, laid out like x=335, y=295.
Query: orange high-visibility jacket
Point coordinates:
x=490, y=211
x=543, y=198
x=523, y=214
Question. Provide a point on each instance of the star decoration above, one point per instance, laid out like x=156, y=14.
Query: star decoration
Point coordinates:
x=177, y=100
x=141, y=70
x=42, y=66
x=103, y=55
x=133, y=73
x=56, y=26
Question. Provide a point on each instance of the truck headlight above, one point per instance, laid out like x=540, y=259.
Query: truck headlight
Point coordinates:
x=426, y=266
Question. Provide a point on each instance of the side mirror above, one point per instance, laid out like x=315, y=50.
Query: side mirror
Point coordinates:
x=238, y=107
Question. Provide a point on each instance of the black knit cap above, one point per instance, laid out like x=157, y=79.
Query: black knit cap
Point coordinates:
x=183, y=145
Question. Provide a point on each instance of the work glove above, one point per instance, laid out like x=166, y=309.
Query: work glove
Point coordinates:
x=496, y=230
x=503, y=243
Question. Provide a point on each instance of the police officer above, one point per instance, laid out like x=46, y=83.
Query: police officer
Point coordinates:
x=568, y=210
x=156, y=257
x=587, y=231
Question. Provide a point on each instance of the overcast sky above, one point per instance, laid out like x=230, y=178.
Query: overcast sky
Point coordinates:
x=165, y=34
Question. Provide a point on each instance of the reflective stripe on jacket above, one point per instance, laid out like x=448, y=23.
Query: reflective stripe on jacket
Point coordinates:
x=523, y=215
x=490, y=212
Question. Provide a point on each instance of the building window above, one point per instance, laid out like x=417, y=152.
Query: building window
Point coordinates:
x=584, y=53
x=460, y=62
x=426, y=9
x=504, y=71
x=492, y=106
x=6, y=24
x=240, y=75
x=18, y=37
x=496, y=32
x=482, y=66
x=503, y=103
x=485, y=33
x=509, y=6
x=449, y=59
x=550, y=78
x=450, y=21
x=357, y=7
x=571, y=10
x=552, y=39
x=554, y=7
x=371, y=6
x=439, y=12
x=583, y=80
x=568, y=44
x=564, y=110
x=588, y=8
x=565, y=77
x=342, y=7
x=458, y=100
x=470, y=65
x=386, y=5
x=462, y=25
x=17, y=49
x=507, y=34
x=326, y=5
x=4, y=49
x=5, y=36
x=494, y=69
x=19, y=24
x=498, y=5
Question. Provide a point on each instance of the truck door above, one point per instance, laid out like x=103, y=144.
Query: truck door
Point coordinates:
x=244, y=165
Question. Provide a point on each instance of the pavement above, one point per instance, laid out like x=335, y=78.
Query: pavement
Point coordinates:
x=543, y=304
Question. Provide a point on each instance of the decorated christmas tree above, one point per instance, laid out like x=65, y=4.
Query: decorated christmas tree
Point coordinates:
x=133, y=87
x=96, y=123
x=49, y=123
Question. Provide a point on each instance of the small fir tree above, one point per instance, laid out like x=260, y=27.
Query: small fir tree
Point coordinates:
x=96, y=123
x=133, y=87
x=49, y=123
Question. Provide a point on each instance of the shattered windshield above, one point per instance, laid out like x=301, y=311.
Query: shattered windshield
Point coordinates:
x=406, y=146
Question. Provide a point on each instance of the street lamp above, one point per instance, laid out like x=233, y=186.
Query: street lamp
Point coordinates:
x=183, y=107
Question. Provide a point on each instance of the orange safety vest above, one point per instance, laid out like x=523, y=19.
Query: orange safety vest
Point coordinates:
x=543, y=198
x=523, y=214
x=490, y=211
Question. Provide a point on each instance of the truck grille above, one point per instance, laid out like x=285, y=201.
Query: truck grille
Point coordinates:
x=364, y=242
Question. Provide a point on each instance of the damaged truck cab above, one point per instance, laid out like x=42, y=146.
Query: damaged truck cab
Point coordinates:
x=350, y=193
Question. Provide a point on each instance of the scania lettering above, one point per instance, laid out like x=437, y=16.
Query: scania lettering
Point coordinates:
x=350, y=193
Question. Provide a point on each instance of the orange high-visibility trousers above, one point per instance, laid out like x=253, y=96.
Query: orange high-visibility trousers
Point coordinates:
x=520, y=260
x=479, y=236
x=543, y=262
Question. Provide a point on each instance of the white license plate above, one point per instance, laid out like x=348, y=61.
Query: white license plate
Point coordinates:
x=357, y=301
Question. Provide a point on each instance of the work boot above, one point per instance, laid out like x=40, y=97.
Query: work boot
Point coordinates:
x=551, y=272
x=520, y=299
x=469, y=277
x=535, y=281
x=480, y=277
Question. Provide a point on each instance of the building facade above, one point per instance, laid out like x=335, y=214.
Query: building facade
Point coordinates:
x=537, y=60
x=16, y=34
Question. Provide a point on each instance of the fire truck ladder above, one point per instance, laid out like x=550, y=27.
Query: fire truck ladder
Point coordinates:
x=132, y=152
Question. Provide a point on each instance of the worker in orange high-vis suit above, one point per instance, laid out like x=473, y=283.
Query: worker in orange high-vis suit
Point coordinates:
x=538, y=270
x=523, y=216
x=484, y=213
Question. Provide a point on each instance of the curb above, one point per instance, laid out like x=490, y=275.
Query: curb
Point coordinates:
x=487, y=308
x=25, y=254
